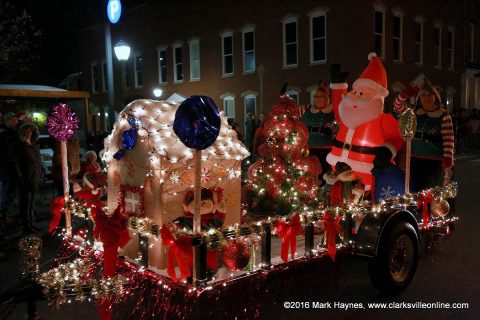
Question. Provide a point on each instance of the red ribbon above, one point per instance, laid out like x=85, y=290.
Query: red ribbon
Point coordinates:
x=91, y=200
x=113, y=232
x=332, y=227
x=180, y=251
x=56, y=207
x=424, y=200
x=288, y=231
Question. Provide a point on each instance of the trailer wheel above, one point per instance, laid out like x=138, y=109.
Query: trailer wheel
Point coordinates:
x=392, y=270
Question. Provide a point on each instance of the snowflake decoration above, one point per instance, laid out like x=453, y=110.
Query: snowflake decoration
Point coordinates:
x=387, y=192
x=174, y=177
x=205, y=176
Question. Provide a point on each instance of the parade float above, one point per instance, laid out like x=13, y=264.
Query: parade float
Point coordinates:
x=173, y=238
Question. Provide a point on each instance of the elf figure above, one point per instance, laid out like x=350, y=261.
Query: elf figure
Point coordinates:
x=348, y=188
x=211, y=210
x=433, y=144
x=363, y=124
x=320, y=121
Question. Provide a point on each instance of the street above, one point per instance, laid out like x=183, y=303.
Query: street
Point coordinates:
x=450, y=275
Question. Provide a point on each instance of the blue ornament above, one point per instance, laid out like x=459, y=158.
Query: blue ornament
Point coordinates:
x=197, y=122
x=129, y=138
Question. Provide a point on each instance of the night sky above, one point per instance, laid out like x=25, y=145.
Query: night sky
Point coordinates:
x=59, y=21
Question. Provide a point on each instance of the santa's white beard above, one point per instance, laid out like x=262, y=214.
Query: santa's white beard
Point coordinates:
x=355, y=112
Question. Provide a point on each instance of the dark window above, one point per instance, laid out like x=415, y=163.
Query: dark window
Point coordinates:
x=319, y=38
x=291, y=43
x=162, y=60
x=227, y=54
x=178, y=64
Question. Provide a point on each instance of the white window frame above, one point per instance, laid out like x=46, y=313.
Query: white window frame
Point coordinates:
x=398, y=14
x=228, y=97
x=104, y=76
x=175, y=46
x=381, y=9
x=472, y=42
x=438, y=63
x=419, y=21
x=161, y=49
x=223, y=35
x=319, y=12
x=287, y=20
x=244, y=30
x=193, y=62
x=135, y=69
x=95, y=88
x=451, y=51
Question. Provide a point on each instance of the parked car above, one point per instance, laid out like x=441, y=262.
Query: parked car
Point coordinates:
x=46, y=144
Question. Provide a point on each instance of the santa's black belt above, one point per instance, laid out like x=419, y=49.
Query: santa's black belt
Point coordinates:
x=322, y=130
x=359, y=149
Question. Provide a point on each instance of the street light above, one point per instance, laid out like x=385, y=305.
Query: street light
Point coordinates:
x=157, y=92
x=122, y=52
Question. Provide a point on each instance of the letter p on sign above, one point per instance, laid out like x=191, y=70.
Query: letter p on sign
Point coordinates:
x=114, y=10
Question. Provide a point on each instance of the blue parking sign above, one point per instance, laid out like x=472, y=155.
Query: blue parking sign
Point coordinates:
x=114, y=10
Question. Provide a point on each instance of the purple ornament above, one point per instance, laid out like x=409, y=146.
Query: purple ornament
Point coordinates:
x=62, y=122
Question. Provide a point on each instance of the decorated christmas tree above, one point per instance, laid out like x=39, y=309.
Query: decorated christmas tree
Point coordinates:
x=284, y=179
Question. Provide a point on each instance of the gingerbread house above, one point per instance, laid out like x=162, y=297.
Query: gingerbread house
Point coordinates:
x=150, y=170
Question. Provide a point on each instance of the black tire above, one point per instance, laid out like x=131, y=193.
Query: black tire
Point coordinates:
x=392, y=270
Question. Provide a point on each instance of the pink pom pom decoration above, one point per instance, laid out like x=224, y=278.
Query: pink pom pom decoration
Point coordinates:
x=62, y=122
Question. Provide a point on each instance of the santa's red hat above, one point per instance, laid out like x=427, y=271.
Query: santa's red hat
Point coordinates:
x=374, y=76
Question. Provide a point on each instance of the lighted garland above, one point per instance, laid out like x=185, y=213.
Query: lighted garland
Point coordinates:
x=31, y=248
x=216, y=238
x=71, y=280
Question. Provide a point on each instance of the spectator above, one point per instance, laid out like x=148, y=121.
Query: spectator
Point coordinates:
x=236, y=127
x=28, y=172
x=260, y=136
x=90, y=165
x=473, y=128
x=250, y=127
x=8, y=137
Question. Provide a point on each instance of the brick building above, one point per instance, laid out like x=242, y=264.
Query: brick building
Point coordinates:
x=241, y=52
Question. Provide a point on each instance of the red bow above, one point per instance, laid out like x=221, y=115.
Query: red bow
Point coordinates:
x=332, y=227
x=424, y=200
x=91, y=200
x=113, y=232
x=288, y=231
x=56, y=207
x=180, y=250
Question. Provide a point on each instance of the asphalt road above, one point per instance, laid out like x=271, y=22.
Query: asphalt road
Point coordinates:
x=450, y=275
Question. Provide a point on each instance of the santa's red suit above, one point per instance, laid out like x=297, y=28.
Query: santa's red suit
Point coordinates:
x=363, y=127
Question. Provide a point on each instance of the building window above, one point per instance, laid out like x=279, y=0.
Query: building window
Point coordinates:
x=379, y=32
x=162, y=64
x=227, y=53
x=290, y=42
x=397, y=37
x=95, y=77
x=451, y=48
x=437, y=46
x=194, y=60
x=229, y=108
x=318, y=37
x=294, y=94
x=104, y=76
x=418, y=34
x=471, y=47
x=248, y=36
x=178, y=62
x=250, y=106
x=138, y=66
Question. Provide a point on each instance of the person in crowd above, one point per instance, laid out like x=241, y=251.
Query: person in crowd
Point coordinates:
x=473, y=129
x=73, y=160
x=433, y=144
x=236, y=128
x=250, y=126
x=320, y=121
x=28, y=172
x=90, y=165
x=8, y=137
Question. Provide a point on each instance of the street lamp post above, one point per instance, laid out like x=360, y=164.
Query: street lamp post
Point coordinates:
x=122, y=52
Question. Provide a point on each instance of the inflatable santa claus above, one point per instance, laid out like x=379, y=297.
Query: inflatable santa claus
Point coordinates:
x=363, y=124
